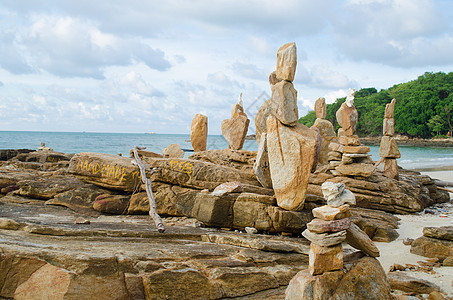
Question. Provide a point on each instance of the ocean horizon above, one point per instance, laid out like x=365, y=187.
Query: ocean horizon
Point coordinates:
x=115, y=143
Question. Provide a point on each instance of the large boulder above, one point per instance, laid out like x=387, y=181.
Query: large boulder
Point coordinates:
x=106, y=170
x=238, y=159
x=196, y=174
x=362, y=279
x=199, y=132
x=291, y=152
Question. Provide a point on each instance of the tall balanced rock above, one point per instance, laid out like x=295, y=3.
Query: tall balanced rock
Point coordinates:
x=291, y=154
x=388, y=150
x=284, y=95
x=347, y=115
x=326, y=130
x=199, y=133
x=287, y=150
x=235, y=129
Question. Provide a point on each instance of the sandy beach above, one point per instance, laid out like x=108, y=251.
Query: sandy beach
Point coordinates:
x=411, y=226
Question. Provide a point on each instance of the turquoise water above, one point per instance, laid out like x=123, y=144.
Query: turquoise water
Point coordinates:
x=114, y=143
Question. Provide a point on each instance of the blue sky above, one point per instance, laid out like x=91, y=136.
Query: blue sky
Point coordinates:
x=141, y=66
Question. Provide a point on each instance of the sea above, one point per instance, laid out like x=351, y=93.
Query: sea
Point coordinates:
x=115, y=143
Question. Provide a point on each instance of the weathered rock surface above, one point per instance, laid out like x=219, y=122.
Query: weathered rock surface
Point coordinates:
x=235, y=129
x=325, y=239
x=123, y=257
x=325, y=259
x=363, y=279
x=328, y=136
x=238, y=159
x=442, y=233
x=199, y=132
x=364, y=170
x=48, y=187
x=284, y=103
x=286, y=62
x=320, y=108
x=7, y=154
x=261, y=165
x=43, y=157
x=347, y=117
x=360, y=240
x=106, y=170
x=173, y=151
x=111, y=204
x=406, y=283
x=291, y=152
x=261, y=119
x=322, y=226
x=389, y=148
x=329, y=213
x=197, y=174
x=432, y=247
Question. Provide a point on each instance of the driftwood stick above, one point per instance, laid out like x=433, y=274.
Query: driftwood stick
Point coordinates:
x=443, y=183
x=152, y=201
x=445, y=189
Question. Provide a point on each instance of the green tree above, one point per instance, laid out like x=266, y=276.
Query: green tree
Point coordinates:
x=436, y=123
x=309, y=119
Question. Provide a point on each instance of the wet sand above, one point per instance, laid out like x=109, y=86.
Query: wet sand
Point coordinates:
x=411, y=226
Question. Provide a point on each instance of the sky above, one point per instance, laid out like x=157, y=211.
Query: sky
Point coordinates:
x=151, y=66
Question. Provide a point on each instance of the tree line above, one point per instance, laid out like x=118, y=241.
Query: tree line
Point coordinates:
x=423, y=107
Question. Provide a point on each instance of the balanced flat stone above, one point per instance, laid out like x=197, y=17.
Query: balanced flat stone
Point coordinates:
x=322, y=226
x=356, y=149
x=325, y=239
x=388, y=127
x=356, y=169
x=286, y=62
x=329, y=213
x=389, y=108
x=325, y=259
x=284, y=103
x=235, y=129
x=389, y=148
x=291, y=152
x=261, y=118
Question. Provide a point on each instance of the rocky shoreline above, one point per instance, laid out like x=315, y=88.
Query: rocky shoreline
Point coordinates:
x=81, y=220
x=412, y=142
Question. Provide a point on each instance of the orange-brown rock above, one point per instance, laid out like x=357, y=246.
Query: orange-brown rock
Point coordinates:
x=261, y=166
x=261, y=118
x=324, y=259
x=329, y=213
x=286, y=62
x=356, y=149
x=199, y=132
x=320, y=108
x=389, y=148
x=347, y=117
x=388, y=127
x=173, y=150
x=284, y=103
x=291, y=152
x=390, y=168
x=235, y=129
x=389, y=108
x=360, y=240
x=328, y=136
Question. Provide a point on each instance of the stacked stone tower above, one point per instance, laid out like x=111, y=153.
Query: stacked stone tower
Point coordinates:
x=326, y=130
x=388, y=150
x=287, y=150
x=349, y=157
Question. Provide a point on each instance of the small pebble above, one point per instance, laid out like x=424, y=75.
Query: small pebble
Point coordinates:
x=80, y=220
x=251, y=230
x=408, y=241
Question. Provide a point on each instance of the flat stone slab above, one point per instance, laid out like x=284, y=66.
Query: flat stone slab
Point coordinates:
x=128, y=255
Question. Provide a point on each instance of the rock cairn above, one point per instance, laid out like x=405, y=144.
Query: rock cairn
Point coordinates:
x=286, y=148
x=326, y=130
x=349, y=157
x=235, y=129
x=328, y=229
x=199, y=132
x=388, y=150
x=328, y=275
